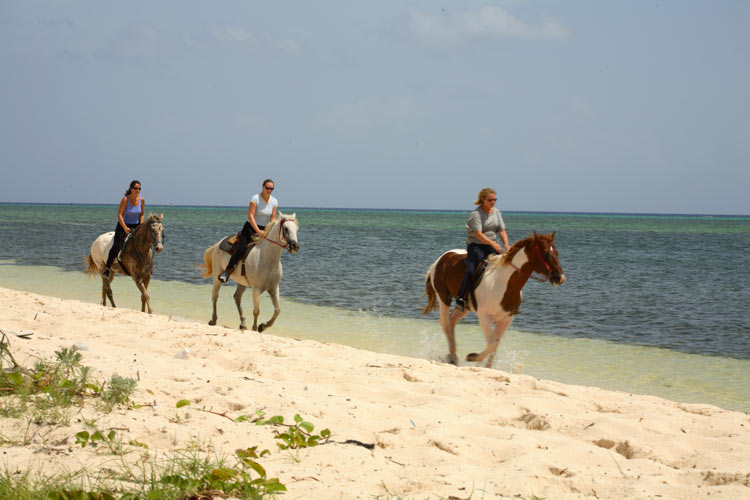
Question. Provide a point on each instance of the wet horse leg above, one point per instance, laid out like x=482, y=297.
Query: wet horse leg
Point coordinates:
x=238, y=301
x=276, y=310
x=448, y=321
x=107, y=290
x=142, y=283
x=214, y=298
x=256, y=307
x=146, y=281
x=492, y=335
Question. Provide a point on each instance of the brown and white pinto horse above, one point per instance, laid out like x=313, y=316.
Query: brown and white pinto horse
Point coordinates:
x=498, y=295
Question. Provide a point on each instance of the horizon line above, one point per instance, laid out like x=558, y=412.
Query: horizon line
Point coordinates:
x=570, y=212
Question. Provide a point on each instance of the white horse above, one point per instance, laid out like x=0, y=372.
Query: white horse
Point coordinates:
x=137, y=256
x=497, y=297
x=261, y=270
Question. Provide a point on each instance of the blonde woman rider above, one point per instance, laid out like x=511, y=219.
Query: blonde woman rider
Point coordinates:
x=484, y=226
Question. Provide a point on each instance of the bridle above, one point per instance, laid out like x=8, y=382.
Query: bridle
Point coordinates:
x=281, y=235
x=543, y=279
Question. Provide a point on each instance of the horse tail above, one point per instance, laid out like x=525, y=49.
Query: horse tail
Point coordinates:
x=92, y=267
x=431, y=295
x=207, y=266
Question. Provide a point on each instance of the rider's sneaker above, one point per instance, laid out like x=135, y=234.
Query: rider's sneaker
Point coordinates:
x=460, y=304
x=106, y=273
x=224, y=277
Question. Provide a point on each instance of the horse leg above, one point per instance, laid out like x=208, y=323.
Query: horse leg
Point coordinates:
x=256, y=307
x=276, y=310
x=107, y=289
x=146, y=281
x=214, y=298
x=238, y=300
x=493, y=337
x=448, y=321
x=145, y=299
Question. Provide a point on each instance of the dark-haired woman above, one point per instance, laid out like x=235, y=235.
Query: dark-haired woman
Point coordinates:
x=129, y=216
x=260, y=213
x=485, y=224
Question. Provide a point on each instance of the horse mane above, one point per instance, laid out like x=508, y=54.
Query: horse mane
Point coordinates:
x=151, y=217
x=281, y=217
x=496, y=260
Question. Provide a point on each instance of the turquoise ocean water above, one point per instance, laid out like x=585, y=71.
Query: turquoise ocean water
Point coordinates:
x=652, y=304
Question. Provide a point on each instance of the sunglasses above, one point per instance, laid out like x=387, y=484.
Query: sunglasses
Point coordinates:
x=137, y=189
x=492, y=200
x=268, y=188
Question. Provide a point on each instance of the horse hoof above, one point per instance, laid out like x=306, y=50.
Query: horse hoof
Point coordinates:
x=212, y=322
x=452, y=359
x=472, y=357
x=243, y=327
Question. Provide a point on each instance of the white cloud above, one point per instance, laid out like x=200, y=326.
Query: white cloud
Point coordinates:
x=487, y=22
x=231, y=35
x=136, y=43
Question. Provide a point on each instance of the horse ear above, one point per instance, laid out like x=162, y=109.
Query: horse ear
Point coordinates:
x=552, y=237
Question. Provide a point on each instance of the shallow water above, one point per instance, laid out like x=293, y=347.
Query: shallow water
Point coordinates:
x=684, y=377
x=674, y=282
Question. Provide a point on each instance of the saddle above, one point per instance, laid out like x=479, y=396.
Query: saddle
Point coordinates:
x=230, y=244
x=475, y=281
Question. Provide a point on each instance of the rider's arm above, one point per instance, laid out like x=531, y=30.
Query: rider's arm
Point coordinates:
x=251, y=217
x=143, y=210
x=494, y=244
x=504, y=238
x=120, y=212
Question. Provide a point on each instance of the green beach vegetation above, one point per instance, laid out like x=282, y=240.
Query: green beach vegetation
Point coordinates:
x=48, y=395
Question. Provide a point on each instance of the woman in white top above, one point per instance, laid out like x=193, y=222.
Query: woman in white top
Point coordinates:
x=260, y=213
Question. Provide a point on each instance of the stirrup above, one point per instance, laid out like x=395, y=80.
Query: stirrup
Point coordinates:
x=460, y=304
x=106, y=273
x=224, y=277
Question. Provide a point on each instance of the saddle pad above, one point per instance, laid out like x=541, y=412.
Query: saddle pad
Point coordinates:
x=228, y=244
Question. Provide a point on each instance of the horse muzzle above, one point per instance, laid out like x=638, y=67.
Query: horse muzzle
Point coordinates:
x=158, y=247
x=556, y=279
x=292, y=247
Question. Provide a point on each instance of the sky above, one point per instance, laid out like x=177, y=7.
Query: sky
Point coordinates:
x=571, y=106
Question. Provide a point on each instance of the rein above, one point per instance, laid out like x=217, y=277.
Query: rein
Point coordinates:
x=281, y=234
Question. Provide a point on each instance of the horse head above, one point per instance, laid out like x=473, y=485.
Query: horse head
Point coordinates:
x=288, y=232
x=156, y=229
x=543, y=257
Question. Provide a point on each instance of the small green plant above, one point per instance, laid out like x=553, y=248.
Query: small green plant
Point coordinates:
x=297, y=435
x=118, y=391
x=48, y=389
x=84, y=438
x=110, y=439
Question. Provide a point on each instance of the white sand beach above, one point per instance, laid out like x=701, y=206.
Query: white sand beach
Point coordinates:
x=438, y=431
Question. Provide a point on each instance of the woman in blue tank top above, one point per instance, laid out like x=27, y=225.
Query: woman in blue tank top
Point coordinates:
x=129, y=216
